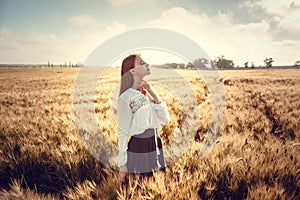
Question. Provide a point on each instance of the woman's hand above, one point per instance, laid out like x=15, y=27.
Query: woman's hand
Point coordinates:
x=123, y=171
x=150, y=91
x=145, y=85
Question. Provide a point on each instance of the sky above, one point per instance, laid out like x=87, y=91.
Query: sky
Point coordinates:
x=59, y=31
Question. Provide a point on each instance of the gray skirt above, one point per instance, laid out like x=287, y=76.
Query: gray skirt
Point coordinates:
x=142, y=155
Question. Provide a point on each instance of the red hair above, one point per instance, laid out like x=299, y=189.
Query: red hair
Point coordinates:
x=127, y=78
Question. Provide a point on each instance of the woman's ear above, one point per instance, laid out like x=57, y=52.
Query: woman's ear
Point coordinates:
x=132, y=71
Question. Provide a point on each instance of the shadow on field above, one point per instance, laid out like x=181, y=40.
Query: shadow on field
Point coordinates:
x=223, y=189
x=223, y=185
x=49, y=176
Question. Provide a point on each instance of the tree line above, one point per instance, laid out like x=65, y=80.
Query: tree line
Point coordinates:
x=70, y=65
x=220, y=62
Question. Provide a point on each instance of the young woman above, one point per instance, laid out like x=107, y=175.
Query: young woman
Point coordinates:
x=141, y=114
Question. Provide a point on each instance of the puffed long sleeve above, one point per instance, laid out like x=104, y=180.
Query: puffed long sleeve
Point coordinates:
x=124, y=115
x=122, y=143
x=161, y=112
x=124, y=118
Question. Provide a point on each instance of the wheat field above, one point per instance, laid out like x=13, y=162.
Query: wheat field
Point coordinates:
x=253, y=155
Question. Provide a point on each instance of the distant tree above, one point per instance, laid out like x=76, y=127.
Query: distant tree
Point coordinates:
x=222, y=63
x=189, y=65
x=200, y=63
x=246, y=64
x=213, y=65
x=181, y=66
x=268, y=62
x=252, y=65
x=171, y=65
x=297, y=63
x=79, y=64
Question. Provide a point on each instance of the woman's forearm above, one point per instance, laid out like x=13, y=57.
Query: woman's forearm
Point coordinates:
x=152, y=93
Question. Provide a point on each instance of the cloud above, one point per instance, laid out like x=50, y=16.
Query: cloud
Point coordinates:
x=284, y=16
x=82, y=20
x=219, y=35
x=4, y=32
x=31, y=47
x=127, y=2
x=273, y=7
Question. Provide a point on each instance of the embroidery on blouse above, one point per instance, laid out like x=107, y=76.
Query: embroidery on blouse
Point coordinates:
x=137, y=103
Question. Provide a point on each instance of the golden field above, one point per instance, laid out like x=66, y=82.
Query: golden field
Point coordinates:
x=43, y=155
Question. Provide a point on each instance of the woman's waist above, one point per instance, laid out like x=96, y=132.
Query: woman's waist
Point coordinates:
x=149, y=132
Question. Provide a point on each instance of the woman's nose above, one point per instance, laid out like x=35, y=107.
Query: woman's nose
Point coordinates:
x=147, y=65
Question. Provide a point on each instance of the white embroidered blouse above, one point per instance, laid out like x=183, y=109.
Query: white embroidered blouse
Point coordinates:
x=136, y=113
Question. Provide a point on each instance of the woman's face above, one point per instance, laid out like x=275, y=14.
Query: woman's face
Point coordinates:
x=141, y=68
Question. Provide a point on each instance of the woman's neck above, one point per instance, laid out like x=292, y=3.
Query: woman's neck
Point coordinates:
x=136, y=82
